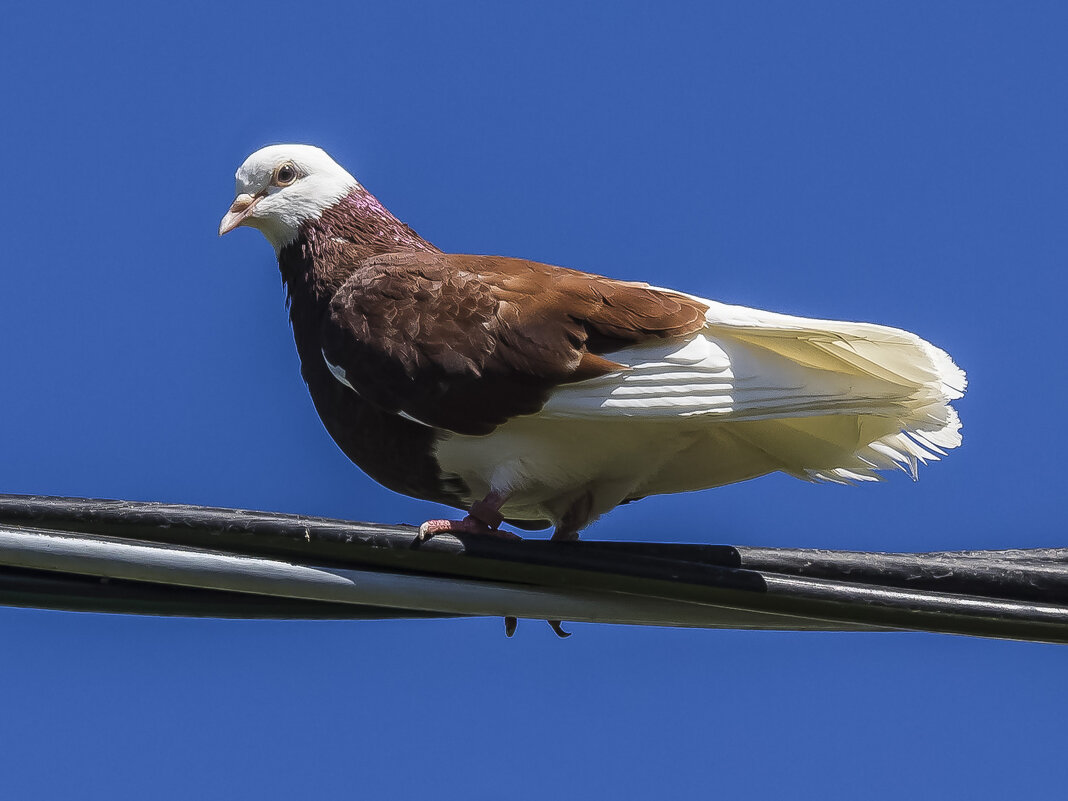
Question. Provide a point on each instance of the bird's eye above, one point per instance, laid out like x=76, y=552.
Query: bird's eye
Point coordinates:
x=285, y=175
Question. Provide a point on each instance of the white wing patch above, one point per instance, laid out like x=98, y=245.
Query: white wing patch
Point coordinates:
x=340, y=374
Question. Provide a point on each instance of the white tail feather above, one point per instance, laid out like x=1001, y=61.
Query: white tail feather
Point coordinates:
x=820, y=399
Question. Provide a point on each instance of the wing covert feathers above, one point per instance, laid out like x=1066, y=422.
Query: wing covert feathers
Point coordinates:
x=465, y=343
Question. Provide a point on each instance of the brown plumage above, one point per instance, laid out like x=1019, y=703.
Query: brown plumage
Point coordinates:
x=465, y=343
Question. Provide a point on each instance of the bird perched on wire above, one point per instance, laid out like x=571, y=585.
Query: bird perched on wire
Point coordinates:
x=540, y=395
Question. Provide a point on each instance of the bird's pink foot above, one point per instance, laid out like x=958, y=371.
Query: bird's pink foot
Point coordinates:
x=484, y=518
x=469, y=525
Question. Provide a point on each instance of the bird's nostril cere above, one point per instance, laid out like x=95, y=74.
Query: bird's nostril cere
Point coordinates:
x=241, y=202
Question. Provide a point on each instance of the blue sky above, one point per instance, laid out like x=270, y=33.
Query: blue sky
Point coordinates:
x=899, y=164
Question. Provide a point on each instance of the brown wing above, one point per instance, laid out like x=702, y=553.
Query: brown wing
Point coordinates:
x=467, y=342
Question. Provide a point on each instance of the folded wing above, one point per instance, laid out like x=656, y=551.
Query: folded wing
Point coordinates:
x=466, y=343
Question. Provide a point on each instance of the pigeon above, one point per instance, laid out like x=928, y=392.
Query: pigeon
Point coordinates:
x=542, y=396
